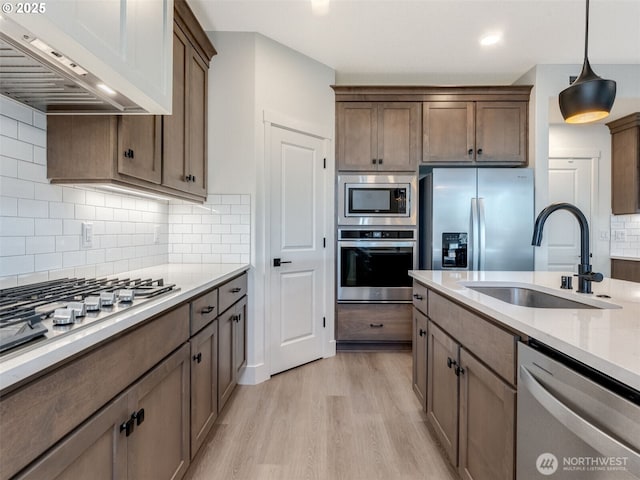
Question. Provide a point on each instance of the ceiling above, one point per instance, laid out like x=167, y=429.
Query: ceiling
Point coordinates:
x=437, y=41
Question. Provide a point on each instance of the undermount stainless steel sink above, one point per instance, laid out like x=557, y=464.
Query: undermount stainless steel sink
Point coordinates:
x=526, y=296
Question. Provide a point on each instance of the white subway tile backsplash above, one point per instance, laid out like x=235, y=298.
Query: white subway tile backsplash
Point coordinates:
x=8, y=167
x=40, y=244
x=16, y=110
x=33, y=135
x=629, y=226
x=40, y=223
x=13, y=148
x=8, y=127
x=33, y=208
x=46, y=226
x=10, y=246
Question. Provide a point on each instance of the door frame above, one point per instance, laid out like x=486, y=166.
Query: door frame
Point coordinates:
x=583, y=154
x=276, y=119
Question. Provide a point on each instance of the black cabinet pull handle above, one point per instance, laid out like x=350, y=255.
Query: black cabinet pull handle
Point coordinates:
x=207, y=309
x=379, y=161
x=235, y=290
x=128, y=153
x=373, y=161
x=479, y=151
x=138, y=416
x=470, y=152
x=376, y=325
x=418, y=297
x=451, y=362
x=193, y=178
x=422, y=332
x=198, y=357
x=128, y=426
x=459, y=371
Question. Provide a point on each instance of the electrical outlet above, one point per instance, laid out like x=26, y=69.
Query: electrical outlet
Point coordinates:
x=156, y=234
x=620, y=236
x=87, y=234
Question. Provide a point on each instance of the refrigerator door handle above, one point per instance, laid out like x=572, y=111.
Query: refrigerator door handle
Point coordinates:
x=481, y=234
x=473, y=241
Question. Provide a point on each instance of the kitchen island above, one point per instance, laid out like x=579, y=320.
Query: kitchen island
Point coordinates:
x=607, y=340
x=467, y=349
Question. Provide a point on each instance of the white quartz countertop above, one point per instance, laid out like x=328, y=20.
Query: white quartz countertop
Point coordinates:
x=605, y=339
x=191, y=279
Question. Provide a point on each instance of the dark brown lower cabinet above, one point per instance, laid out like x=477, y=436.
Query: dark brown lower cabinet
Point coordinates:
x=204, y=384
x=420, y=357
x=231, y=349
x=154, y=445
x=442, y=389
x=487, y=426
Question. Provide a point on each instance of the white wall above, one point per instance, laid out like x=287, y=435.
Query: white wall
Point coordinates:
x=252, y=71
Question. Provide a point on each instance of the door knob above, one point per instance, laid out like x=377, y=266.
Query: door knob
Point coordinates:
x=277, y=262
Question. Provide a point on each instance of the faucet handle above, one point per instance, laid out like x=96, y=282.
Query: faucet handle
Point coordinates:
x=591, y=276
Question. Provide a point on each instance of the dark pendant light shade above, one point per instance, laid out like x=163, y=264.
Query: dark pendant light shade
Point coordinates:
x=590, y=97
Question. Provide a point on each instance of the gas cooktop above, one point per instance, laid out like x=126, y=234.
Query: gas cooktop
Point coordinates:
x=40, y=311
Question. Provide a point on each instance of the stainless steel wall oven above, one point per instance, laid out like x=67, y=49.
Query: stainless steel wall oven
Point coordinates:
x=373, y=265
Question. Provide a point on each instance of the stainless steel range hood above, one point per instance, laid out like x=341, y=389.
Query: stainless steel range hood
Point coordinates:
x=75, y=56
x=46, y=80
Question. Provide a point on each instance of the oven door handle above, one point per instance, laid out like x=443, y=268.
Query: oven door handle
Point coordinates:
x=367, y=243
x=592, y=435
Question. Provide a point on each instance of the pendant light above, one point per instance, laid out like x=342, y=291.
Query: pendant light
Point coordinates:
x=589, y=97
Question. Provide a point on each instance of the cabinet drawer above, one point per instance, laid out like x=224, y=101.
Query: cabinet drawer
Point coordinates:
x=231, y=292
x=59, y=401
x=203, y=310
x=495, y=346
x=380, y=322
x=420, y=297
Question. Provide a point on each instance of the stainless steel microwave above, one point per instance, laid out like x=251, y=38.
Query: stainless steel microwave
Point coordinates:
x=377, y=200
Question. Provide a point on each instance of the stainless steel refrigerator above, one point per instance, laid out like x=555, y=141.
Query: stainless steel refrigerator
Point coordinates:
x=476, y=219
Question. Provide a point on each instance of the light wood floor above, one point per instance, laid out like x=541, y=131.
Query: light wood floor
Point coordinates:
x=353, y=416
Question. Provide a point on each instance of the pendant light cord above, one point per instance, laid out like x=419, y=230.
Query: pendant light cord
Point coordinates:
x=586, y=33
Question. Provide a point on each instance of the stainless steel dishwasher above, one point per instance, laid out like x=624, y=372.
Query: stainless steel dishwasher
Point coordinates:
x=574, y=423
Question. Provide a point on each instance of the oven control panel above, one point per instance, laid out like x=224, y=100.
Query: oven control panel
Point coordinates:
x=407, y=234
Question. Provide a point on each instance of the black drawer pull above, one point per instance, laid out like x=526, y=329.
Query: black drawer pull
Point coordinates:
x=128, y=426
x=197, y=358
x=422, y=332
x=479, y=151
x=470, y=152
x=235, y=290
x=376, y=325
x=451, y=362
x=139, y=416
x=459, y=371
x=207, y=309
x=418, y=297
x=128, y=153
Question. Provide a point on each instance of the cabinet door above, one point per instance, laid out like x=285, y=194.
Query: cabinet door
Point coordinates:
x=501, y=134
x=448, y=132
x=420, y=357
x=357, y=135
x=398, y=136
x=96, y=450
x=442, y=389
x=240, y=338
x=226, y=377
x=197, y=124
x=139, y=147
x=625, y=171
x=204, y=384
x=158, y=448
x=487, y=423
x=174, y=126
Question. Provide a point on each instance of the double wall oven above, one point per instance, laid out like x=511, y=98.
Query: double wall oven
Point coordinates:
x=377, y=235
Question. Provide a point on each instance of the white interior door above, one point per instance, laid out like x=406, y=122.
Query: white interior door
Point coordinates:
x=297, y=287
x=569, y=181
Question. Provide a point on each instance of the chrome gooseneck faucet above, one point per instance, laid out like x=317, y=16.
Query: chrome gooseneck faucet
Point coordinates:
x=585, y=275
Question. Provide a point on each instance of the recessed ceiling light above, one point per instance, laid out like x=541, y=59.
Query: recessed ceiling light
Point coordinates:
x=320, y=7
x=490, y=39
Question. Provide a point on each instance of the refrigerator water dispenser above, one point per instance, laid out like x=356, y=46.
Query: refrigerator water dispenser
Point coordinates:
x=454, y=250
